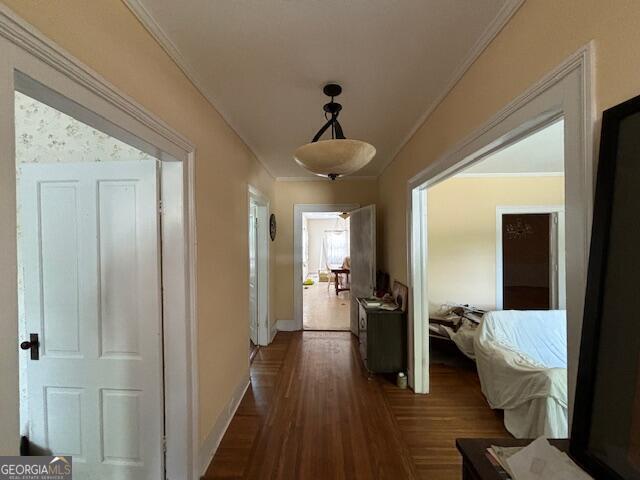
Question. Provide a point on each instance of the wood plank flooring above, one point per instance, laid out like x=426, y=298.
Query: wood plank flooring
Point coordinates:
x=312, y=412
x=322, y=309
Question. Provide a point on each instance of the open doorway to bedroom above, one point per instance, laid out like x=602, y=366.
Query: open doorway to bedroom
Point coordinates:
x=496, y=272
x=566, y=94
x=326, y=267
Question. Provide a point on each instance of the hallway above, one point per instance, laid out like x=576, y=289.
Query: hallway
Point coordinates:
x=312, y=412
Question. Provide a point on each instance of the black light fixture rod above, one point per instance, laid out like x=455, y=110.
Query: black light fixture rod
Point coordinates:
x=331, y=90
x=322, y=130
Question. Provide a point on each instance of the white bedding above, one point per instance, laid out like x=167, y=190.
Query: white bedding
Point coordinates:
x=521, y=359
x=464, y=337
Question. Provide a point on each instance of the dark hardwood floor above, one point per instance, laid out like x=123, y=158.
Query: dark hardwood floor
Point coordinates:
x=312, y=412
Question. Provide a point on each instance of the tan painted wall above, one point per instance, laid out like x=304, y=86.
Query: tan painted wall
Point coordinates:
x=287, y=194
x=538, y=38
x=106, y=36
x=461, y=215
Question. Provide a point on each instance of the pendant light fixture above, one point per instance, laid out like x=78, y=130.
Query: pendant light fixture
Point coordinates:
x=338, y=156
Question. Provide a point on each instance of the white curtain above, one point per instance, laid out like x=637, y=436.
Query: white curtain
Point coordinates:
x=335, y=247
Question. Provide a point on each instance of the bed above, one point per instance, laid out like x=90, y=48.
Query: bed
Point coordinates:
x=522, y=365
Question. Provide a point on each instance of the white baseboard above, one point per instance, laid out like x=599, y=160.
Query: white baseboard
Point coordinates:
x=287, y=325
x=212, y=442
x=273, y=331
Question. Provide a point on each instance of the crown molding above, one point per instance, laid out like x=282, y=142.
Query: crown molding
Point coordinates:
x=24, y=35
x=153, y=27
x=347, y=178
x=501, y=19
x=505, y=14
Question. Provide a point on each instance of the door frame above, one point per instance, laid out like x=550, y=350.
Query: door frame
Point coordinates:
x=567, y=91
x=298, y=210
x=525, y=209
x=263, y=261
x=67, y=84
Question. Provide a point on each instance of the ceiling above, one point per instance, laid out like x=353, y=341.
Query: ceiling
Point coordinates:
x=263, y=63
x=540, y=153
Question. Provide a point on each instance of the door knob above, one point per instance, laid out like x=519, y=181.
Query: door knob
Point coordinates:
x=32, y=344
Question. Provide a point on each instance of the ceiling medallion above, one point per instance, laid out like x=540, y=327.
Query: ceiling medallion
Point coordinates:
x=338, y=156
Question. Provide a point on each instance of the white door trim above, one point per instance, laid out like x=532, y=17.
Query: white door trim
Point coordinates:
x=507, y=209
x=263, y=241
x=298, y=210
x=26, y=50
x=418, y=308
x=566, y=91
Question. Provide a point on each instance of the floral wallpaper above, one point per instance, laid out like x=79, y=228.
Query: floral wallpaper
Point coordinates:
x=46, y=135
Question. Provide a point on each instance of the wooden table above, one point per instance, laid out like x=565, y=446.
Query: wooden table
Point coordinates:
x=337, y=271
x=476, y=465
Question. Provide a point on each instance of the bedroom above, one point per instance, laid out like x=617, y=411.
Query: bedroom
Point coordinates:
x=496, y=244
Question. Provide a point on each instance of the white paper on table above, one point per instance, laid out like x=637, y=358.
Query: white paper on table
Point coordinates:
x=539, y=460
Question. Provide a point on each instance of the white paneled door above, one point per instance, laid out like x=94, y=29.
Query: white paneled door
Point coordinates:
x=91, y=283
x=253, y=273
x=362, y=232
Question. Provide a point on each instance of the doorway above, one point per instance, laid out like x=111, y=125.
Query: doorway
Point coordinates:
x=142, y=441
x=530, y=258
x=300, y=251
x=89, y=281
x=326, y=264
x=564, y=93
x=253, y=280
x=526, y=261
x=258, y=228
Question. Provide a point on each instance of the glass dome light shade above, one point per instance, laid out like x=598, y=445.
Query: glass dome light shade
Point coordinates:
x=334, y=157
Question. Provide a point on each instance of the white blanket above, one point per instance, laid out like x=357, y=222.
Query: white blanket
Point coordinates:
x=521, y=358
x=464, y=337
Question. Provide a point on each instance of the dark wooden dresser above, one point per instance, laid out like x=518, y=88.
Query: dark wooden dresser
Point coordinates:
x=383, y=339
x=476, y=464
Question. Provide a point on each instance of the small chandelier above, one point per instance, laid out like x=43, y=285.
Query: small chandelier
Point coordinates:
x=519, y=230
x=338, y=156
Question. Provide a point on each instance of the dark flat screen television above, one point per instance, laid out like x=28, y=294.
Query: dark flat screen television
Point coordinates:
x=605, y=437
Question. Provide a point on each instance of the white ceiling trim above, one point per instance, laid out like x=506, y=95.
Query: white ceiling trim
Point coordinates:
x=156, y=31
x=505, y=14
